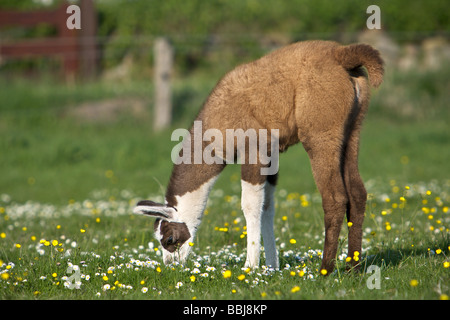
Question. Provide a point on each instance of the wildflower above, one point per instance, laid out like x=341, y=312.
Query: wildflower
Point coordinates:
x=144, y=289
x=443, y=297
x=158, y=269
x=179, y=284
x=227, y=274
x=54, y=274
x=5, y=276
x=292, y=241
x=323, y=272
x=349, y=224
x=192, y=278
x=263, y=294
x=191, y=244
x=105, y=278
x=18, y=246
x=284, y=218
x=446, y=264
x=82, y=230
x=106, y=287
x=233, y=291
x=3, y=235
x=241, y=277
x=54, y=243
x=438, y=251
x=295, y=289
x=414, y=283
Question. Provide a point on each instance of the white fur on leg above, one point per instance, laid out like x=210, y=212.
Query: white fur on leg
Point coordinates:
x=267, y=227
x=252, y=201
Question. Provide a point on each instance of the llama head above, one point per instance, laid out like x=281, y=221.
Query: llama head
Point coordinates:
x=172, y=233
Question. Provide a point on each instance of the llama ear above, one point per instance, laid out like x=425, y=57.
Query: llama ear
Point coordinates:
x=156, y=210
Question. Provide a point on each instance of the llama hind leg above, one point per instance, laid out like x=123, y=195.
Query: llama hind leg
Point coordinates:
x=325, y=160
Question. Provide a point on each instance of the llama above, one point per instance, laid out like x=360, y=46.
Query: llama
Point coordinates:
x=313, y=92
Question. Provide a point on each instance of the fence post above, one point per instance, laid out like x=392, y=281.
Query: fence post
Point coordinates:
x=163, y=55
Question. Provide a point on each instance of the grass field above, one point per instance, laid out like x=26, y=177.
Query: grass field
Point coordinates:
x=68, y=186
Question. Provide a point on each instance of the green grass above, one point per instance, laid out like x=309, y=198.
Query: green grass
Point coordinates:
x=60, y=175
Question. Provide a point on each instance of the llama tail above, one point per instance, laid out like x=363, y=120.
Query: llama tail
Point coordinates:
x=358, y=55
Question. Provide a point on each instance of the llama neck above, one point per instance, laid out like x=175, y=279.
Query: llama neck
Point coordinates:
x=188, y=191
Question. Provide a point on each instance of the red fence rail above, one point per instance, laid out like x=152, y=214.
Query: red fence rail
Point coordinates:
x=77, y=48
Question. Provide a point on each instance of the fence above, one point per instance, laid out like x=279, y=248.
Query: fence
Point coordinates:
x=77, y=48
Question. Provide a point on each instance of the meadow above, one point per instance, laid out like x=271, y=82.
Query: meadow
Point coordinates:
x=68, y=186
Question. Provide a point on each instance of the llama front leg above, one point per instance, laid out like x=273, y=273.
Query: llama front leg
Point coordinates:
x=252, y=202
x=267, y=224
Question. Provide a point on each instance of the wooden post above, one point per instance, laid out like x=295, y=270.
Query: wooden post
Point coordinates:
x=163, y=55
x=88, y=41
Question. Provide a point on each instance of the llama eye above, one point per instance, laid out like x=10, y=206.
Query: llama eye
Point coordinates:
x=170, y=240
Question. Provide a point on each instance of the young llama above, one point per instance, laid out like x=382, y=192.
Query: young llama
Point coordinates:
x=313, y=92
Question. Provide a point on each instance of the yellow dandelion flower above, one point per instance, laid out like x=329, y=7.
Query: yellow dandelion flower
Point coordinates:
x=284, y=218
x=33, y=238
x=348, y=259
x=54, y=274
x=18, y=245
x=192, y=278
x=443, y=297
x=263, y=294
x=446, y=264
x=227, y=274
x=349, y=224
x=293, y=241
x=105, y=278
x=438, y=251
x=388, y=227
x=241, y=277
x=5, y=276
x=191, y=244
x=414, y=283
x=158, y=269
x=82, y=230
x=233, y=291
x=323, y=272
x=295, y=289
x=301, y=273
x=54, y=243
x=3, y=235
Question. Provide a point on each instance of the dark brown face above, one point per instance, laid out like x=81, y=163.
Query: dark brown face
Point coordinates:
x=172, y=235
